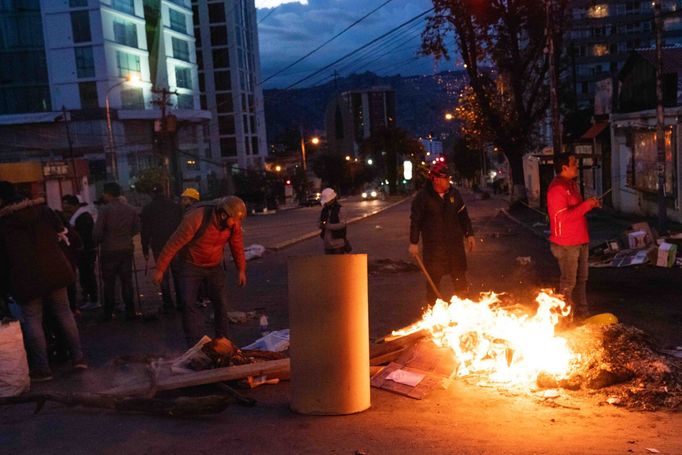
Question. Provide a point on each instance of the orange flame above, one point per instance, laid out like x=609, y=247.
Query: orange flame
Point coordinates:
x=492, y=341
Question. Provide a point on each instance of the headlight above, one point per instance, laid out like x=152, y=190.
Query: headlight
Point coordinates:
x=364, y=195
x=374, y=194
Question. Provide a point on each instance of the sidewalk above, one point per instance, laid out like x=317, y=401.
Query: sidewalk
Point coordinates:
x=603, y=224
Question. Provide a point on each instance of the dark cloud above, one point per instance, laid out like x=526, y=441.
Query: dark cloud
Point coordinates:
x=292, y=30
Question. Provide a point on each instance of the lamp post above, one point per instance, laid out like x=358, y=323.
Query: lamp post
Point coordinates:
x=111, y=150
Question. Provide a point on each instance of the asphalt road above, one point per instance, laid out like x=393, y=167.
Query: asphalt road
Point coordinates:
x=463, y=419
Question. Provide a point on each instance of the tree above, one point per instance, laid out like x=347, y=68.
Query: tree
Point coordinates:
x=502, y=45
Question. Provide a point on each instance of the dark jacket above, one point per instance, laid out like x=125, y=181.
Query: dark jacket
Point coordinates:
x=32, y=263
x=84, y=225
x=333, y=229
x=442, y=223
x=159, y=219
x=115, y=227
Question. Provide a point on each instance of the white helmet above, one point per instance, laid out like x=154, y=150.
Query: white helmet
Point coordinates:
x=327, y=195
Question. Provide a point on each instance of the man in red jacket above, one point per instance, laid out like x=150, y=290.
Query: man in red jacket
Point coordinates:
x=200, y=241
x=569, y=238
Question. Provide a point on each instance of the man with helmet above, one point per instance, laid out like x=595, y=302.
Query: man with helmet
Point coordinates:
x=189, y=197
x=440, y=217
x=200, y=242
x=333, y=228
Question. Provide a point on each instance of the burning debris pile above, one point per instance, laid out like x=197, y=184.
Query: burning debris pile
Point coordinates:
x=520, y=350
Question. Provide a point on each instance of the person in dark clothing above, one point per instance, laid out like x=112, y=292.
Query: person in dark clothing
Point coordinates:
x=440, y=217
x=34, y=270
x=159, y=219
x=117, y=224
x=72, y=248
x=83, y=223
x=333, y=228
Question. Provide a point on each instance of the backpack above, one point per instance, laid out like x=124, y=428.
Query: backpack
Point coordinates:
x=205, y=221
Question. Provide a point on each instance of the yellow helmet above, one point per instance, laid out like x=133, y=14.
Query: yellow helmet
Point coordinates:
x=191, y=193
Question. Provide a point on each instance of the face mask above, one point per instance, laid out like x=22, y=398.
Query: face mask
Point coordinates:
x=222, y=220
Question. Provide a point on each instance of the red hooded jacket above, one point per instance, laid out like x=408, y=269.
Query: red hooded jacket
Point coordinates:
x=567, y=210
x=207, y=250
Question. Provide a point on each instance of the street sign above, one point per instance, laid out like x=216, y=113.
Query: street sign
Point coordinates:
x=55, y=169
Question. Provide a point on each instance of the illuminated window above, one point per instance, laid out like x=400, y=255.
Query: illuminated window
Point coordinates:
x=598, y=11
x=599, y=50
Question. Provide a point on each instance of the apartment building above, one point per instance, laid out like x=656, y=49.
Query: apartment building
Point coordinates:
x=229, y=80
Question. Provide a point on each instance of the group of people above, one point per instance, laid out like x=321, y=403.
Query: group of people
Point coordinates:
x=42, y=251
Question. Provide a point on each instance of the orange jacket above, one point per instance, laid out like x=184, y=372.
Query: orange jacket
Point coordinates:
x=206, y=251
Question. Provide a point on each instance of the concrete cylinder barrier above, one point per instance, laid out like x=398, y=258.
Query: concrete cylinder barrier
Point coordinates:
x=328, y=318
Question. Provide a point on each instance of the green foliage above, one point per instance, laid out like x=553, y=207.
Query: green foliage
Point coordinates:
x=501, y=45
x=147, y=178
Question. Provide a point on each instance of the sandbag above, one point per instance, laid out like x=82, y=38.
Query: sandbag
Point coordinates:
x=14, y=379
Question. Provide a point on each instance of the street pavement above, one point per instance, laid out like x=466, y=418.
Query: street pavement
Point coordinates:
x=453, y=421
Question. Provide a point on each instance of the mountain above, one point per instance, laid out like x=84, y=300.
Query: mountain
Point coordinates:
x=421, y=102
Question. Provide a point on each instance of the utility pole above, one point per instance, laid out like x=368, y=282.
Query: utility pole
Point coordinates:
x=67, y=118
x=660, y=119
x=166, y=134
x=553, y=77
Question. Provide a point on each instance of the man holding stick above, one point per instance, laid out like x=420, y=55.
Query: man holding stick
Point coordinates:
x=440, y=217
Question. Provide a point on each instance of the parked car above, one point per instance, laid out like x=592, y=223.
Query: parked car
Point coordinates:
x=311, y=200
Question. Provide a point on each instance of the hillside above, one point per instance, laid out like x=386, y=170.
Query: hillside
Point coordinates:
x=421, y=102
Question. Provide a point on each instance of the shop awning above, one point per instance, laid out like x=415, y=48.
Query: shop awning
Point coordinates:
x=594, y=131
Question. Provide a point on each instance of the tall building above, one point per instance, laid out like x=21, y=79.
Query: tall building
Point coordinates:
x=602, y=33
x=229, y=80
x=102, y=65
x=356, y=115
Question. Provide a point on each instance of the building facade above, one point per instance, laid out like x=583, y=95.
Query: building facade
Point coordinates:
x=603, y=32
x=357, y=115
x=83, y=79
x=229, y=81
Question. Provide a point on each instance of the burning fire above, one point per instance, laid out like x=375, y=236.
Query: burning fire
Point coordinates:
x=488, y=340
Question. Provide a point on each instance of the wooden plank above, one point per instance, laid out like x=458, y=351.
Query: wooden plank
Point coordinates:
x=376, y=350
x=204, y=377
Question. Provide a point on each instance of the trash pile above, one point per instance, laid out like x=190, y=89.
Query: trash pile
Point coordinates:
x=381, y=266
x=625, y=365
x=638, y=245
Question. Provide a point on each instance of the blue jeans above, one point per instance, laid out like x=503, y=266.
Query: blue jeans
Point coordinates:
x=57, y=302
x=193, y=321
x=574, y=269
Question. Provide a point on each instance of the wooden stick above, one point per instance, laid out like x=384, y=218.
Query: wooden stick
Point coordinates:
x=428, y=277
x=204, y=377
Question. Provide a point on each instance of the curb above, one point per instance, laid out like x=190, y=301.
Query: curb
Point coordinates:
x=310, y=235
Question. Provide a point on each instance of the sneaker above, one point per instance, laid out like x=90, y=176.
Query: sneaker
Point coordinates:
x=90, y=306
x=80, y=365
x=41, y=376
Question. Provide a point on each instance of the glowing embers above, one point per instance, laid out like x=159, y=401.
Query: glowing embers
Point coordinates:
x=504, y=346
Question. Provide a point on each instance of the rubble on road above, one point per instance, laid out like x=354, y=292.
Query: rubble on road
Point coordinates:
x=625, y=365
x=381, y=266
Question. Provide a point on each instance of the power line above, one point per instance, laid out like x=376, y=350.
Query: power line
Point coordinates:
x=409, y=21
x=327, y=42
x=268, y=15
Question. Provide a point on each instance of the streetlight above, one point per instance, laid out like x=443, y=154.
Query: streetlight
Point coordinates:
x=313, y=140
x=135, y=80
x=449, y=116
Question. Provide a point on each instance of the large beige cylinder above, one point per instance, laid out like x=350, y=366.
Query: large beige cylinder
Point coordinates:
x=328, y=319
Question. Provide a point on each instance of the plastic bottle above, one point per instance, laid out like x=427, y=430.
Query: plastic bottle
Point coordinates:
x=264, y=325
